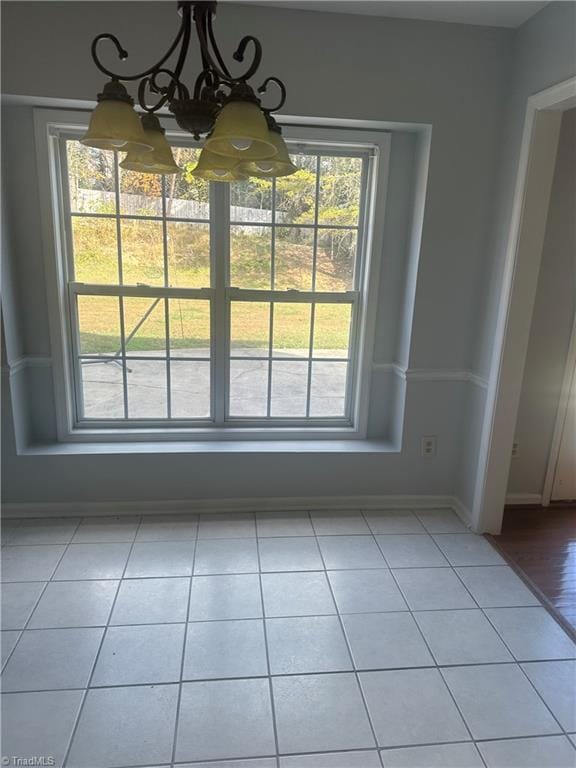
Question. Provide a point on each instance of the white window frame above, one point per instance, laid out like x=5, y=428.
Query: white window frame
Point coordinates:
x=52, y=126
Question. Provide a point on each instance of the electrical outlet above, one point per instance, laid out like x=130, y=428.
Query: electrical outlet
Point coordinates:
x=429, y=445
x=515, y=450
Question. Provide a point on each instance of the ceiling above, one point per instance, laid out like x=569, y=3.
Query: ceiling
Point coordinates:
x=494, y=13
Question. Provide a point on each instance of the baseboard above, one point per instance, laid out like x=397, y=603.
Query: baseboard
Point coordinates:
x=463, y=512
x=524, y=499
x=69, y=508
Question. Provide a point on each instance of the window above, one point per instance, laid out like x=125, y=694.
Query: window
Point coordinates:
x=195, y=306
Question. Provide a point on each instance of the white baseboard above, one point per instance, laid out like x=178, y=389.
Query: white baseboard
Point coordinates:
x=69, y=508
x=463, y=512
x=524, y=499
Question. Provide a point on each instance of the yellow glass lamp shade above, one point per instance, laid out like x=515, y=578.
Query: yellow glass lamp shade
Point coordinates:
x=279, y=165
x=241, y=132
x=160, y=159
x=213, y=167
x=114, y=123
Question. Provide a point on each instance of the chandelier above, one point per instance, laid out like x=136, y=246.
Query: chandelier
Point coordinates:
x=242, y=137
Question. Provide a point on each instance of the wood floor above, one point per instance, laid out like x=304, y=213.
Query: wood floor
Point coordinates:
x=541, y=542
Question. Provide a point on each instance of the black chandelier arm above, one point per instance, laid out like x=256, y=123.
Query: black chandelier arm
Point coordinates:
x=166, y=91
x=215, y=48
x=238, y=55
x=123, y=53
x=264, y=87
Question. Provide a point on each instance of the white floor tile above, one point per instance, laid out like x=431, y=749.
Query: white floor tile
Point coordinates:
x=351, y=552
x=215, y=556
x=385, y=641
x=265, y=762
x=151, y=601
x=364, y=759
x=8, y=640
x=496, y=586
x=307, y=644
x=364, y=591
x=101, y=529
x=555, y=681
x=39, y=724
x=497, y=701
x=225, y=719
x=461, y=637
x=532, y=634
x=7, y=530
x=572, y=737
x=74, y=604
x=433, y=589
x=548, y=752
x=298, y=553
x=283, y=524
x=411, y=706
x=47, y=659
x=225, y=597
x=93, y=561
x=296, y=594
x=18, y=601
x=227, y=526
x=393, y=521
x=410, y=551
x=161, y=558
x=125, y=726
x=463, y=755
x=468, y=549
x=217, y=649
x=34, y=563
x=315, y=713
x=140, y=654
x=57, y=531
x=338, y=523
x=167, y=528
x=440, y=521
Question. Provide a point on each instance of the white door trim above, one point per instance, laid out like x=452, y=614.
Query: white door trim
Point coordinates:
x=569, y=373
x=516, y=305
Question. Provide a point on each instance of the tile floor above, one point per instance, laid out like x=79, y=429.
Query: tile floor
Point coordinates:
x=391, y=639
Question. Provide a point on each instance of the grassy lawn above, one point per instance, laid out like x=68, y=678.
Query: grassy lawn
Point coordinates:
x=188, y=256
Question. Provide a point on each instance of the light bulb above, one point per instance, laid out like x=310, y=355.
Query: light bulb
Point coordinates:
x=220, y=171
x=264, y=166
x=117, y=144
x=241, y=144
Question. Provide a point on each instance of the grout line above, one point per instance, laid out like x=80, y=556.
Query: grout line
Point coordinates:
x=95, y=663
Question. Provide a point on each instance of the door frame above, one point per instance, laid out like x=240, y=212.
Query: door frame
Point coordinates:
x=516, y=304
x=554, y=455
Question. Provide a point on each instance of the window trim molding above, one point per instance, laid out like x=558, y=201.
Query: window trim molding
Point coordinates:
x=49, y=122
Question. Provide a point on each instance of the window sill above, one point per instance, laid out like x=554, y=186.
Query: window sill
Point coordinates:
x=212, y=446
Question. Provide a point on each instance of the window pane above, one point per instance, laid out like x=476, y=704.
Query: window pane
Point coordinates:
x=189, y=328
x=296, y=194
x=251, y=200
x=186, y=196
x=250, y=249
x=147, y=395
x=95, y=250
x=250, y=328
x=332, y=330
x=144, y=326
x=99, y=324
x=291, y=330
x=142, y=252
x=248, y=387
x=340, y=184
x=336, y=257
x=293, y=257
x=102, y=389
x=328, y=389
x=190, y=389
x=140, y=193
x=188, y=255
x=289, y=387
x=90, y=179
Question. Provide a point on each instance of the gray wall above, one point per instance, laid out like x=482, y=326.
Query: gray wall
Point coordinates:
x=454, y=78
x=552, y=323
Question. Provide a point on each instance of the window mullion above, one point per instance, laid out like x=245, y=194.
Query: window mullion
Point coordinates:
x=313, y=308
x=120, y=281
x=166, y=303
x=220, y=248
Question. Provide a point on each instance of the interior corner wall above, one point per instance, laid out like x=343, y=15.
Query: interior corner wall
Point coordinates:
x=451, y=77
x=552, y=323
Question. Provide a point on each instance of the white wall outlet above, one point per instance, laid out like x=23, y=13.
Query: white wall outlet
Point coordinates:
x=515, y=450
x=429, y=445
